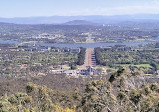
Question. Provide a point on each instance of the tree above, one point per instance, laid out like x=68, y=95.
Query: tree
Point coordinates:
x=98, y=97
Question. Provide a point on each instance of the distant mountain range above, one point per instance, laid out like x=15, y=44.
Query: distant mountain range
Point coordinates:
x=78, y=20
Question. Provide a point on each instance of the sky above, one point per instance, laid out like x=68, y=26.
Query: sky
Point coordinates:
x=33, y=8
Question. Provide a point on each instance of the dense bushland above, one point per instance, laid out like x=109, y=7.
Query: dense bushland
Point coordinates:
x=81, y=56
x=119, y=93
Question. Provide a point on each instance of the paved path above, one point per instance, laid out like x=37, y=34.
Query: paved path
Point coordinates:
x=88, y=57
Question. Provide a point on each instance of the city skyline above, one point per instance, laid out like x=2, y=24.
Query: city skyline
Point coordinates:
x=33, y=8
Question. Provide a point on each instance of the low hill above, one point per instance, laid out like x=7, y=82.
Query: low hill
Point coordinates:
x=79, y=22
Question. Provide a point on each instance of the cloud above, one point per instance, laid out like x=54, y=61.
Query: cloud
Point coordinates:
x=155, y=2
x=146, y=8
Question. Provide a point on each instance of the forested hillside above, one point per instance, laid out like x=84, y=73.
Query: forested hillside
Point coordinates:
x=124, y=91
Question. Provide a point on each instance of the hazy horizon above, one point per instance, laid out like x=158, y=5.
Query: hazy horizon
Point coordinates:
x=40, y=8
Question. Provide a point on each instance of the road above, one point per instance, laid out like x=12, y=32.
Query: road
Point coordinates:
x=88, y=57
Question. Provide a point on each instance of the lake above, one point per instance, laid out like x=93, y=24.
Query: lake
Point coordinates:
x=8, y=42
x=85, y=45
x=91, y=45
x=94, y=45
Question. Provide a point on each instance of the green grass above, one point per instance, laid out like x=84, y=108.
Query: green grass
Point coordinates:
x=138, y=66
x=89, y=40
x=111, y=70
x=143, y=65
